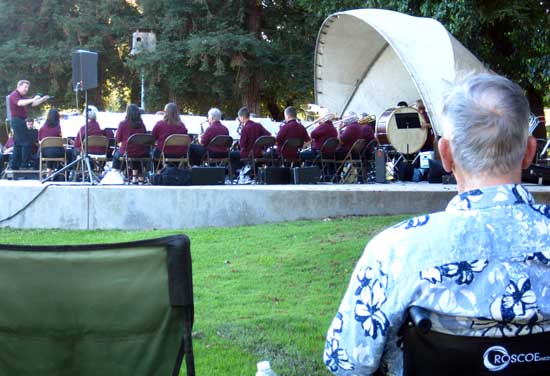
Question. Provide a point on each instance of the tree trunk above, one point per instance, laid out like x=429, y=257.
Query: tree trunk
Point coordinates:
x=251, y=92
x=274, y=109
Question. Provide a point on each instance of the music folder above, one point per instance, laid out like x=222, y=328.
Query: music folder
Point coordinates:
x=409, y=120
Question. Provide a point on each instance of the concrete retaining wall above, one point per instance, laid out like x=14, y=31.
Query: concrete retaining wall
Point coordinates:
x=147, y=207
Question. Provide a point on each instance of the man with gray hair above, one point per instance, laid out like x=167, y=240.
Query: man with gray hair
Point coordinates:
x=481, y=267
x=215, y=128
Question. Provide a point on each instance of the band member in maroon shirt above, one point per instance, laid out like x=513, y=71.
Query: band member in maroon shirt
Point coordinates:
x=171, y=124
x=347, y=134
x=250, y=132
x=291, y=128
x=51, y=128
x=18, y=108
x=216, y=128
x=93, y=130
x=319, y=135
x=132, y=124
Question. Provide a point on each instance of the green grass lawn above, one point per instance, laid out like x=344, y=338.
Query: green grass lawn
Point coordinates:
x=265, y=292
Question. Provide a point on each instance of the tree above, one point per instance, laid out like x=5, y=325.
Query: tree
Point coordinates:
x=38, y=46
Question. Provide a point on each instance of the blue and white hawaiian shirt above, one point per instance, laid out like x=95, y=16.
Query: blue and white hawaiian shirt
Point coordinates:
x=482, y=266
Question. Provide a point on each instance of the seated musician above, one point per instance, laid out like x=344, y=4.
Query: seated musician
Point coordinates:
x=482, y=266
x=215, y=128
x=426, y=123
x=348, y=133
x=33, y=136
x=51, y=128
x=6, y=151
x=93, y=130
x=291, y=128
x=319, y=135
x=250, y=132
x=169, y=125
x=132, y=124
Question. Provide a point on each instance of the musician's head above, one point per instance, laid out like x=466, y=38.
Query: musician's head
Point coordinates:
x=171, y=114
x=243, y=114
x=485, y=132
x=133, y=115
x=92, y=113
x=402, y=104
x=420, y=105
x=23, y=87
x=290, y=113
x=30, y=123
x=214, y=115
x=52, y=119
x=350, y=117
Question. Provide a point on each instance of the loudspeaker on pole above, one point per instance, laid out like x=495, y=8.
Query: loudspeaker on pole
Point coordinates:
x=84, y=70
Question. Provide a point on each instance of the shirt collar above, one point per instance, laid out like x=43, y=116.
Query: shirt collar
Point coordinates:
x=500, y=195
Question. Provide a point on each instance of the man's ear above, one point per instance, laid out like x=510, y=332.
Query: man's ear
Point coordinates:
x=446, y=154
x=529, y=152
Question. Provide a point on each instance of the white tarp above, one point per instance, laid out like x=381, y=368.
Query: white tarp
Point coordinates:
x=70, y=124
x=367, y=60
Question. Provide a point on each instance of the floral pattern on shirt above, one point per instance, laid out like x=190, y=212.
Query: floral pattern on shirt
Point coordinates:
x=462, y=272
x=368, y=308
x=514, y=313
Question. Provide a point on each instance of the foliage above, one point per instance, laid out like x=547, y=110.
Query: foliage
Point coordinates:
x=222, y=53
x=264, y=292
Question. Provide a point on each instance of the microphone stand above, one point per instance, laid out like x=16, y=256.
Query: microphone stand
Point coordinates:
x=83, y=160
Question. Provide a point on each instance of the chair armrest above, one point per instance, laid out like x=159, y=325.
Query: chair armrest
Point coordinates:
x=420, y=318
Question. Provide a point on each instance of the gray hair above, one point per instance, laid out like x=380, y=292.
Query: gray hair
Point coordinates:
x=486, y=122
x=215, y=114
x=92, y=115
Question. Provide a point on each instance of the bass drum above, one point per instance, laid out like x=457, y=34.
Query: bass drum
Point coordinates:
x=401, y=128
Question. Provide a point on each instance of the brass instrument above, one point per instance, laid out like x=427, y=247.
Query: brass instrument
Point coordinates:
x=367, y=119
x=321, y=120
x=342, y=123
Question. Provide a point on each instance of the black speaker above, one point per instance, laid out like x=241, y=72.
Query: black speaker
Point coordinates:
x=306, y=175
x=274, y=175
x=84, y=70
x=207, y=176
x=380, y=165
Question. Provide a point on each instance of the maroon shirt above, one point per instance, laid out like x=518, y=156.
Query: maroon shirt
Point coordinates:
x=93, y=130
x=124, y=132
x=321, y=133
x=9, y=142
x=291, y=129
x=249, y=134
x=368, y=133
x=215, y=129
x=162, y=130
x=17, y=111
x=47, y=131
x=351, y=133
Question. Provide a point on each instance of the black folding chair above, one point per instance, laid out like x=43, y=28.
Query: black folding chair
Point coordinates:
x=426, y=352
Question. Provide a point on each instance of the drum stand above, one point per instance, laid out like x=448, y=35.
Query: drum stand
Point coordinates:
x=83, y=161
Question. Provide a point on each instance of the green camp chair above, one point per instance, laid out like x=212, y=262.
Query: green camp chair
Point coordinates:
x=103, y=309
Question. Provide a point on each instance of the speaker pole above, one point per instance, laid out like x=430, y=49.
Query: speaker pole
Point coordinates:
x=142, y=90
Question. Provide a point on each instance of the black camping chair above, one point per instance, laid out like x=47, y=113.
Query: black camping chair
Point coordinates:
x=103, y=309
x=426, y=352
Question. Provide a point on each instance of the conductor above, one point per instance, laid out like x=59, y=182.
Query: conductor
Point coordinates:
x=18, y=106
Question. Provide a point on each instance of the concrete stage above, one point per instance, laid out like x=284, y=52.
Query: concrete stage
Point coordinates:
x=71, y=206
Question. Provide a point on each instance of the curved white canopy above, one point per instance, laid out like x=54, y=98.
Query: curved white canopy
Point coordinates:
x=367, y=60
